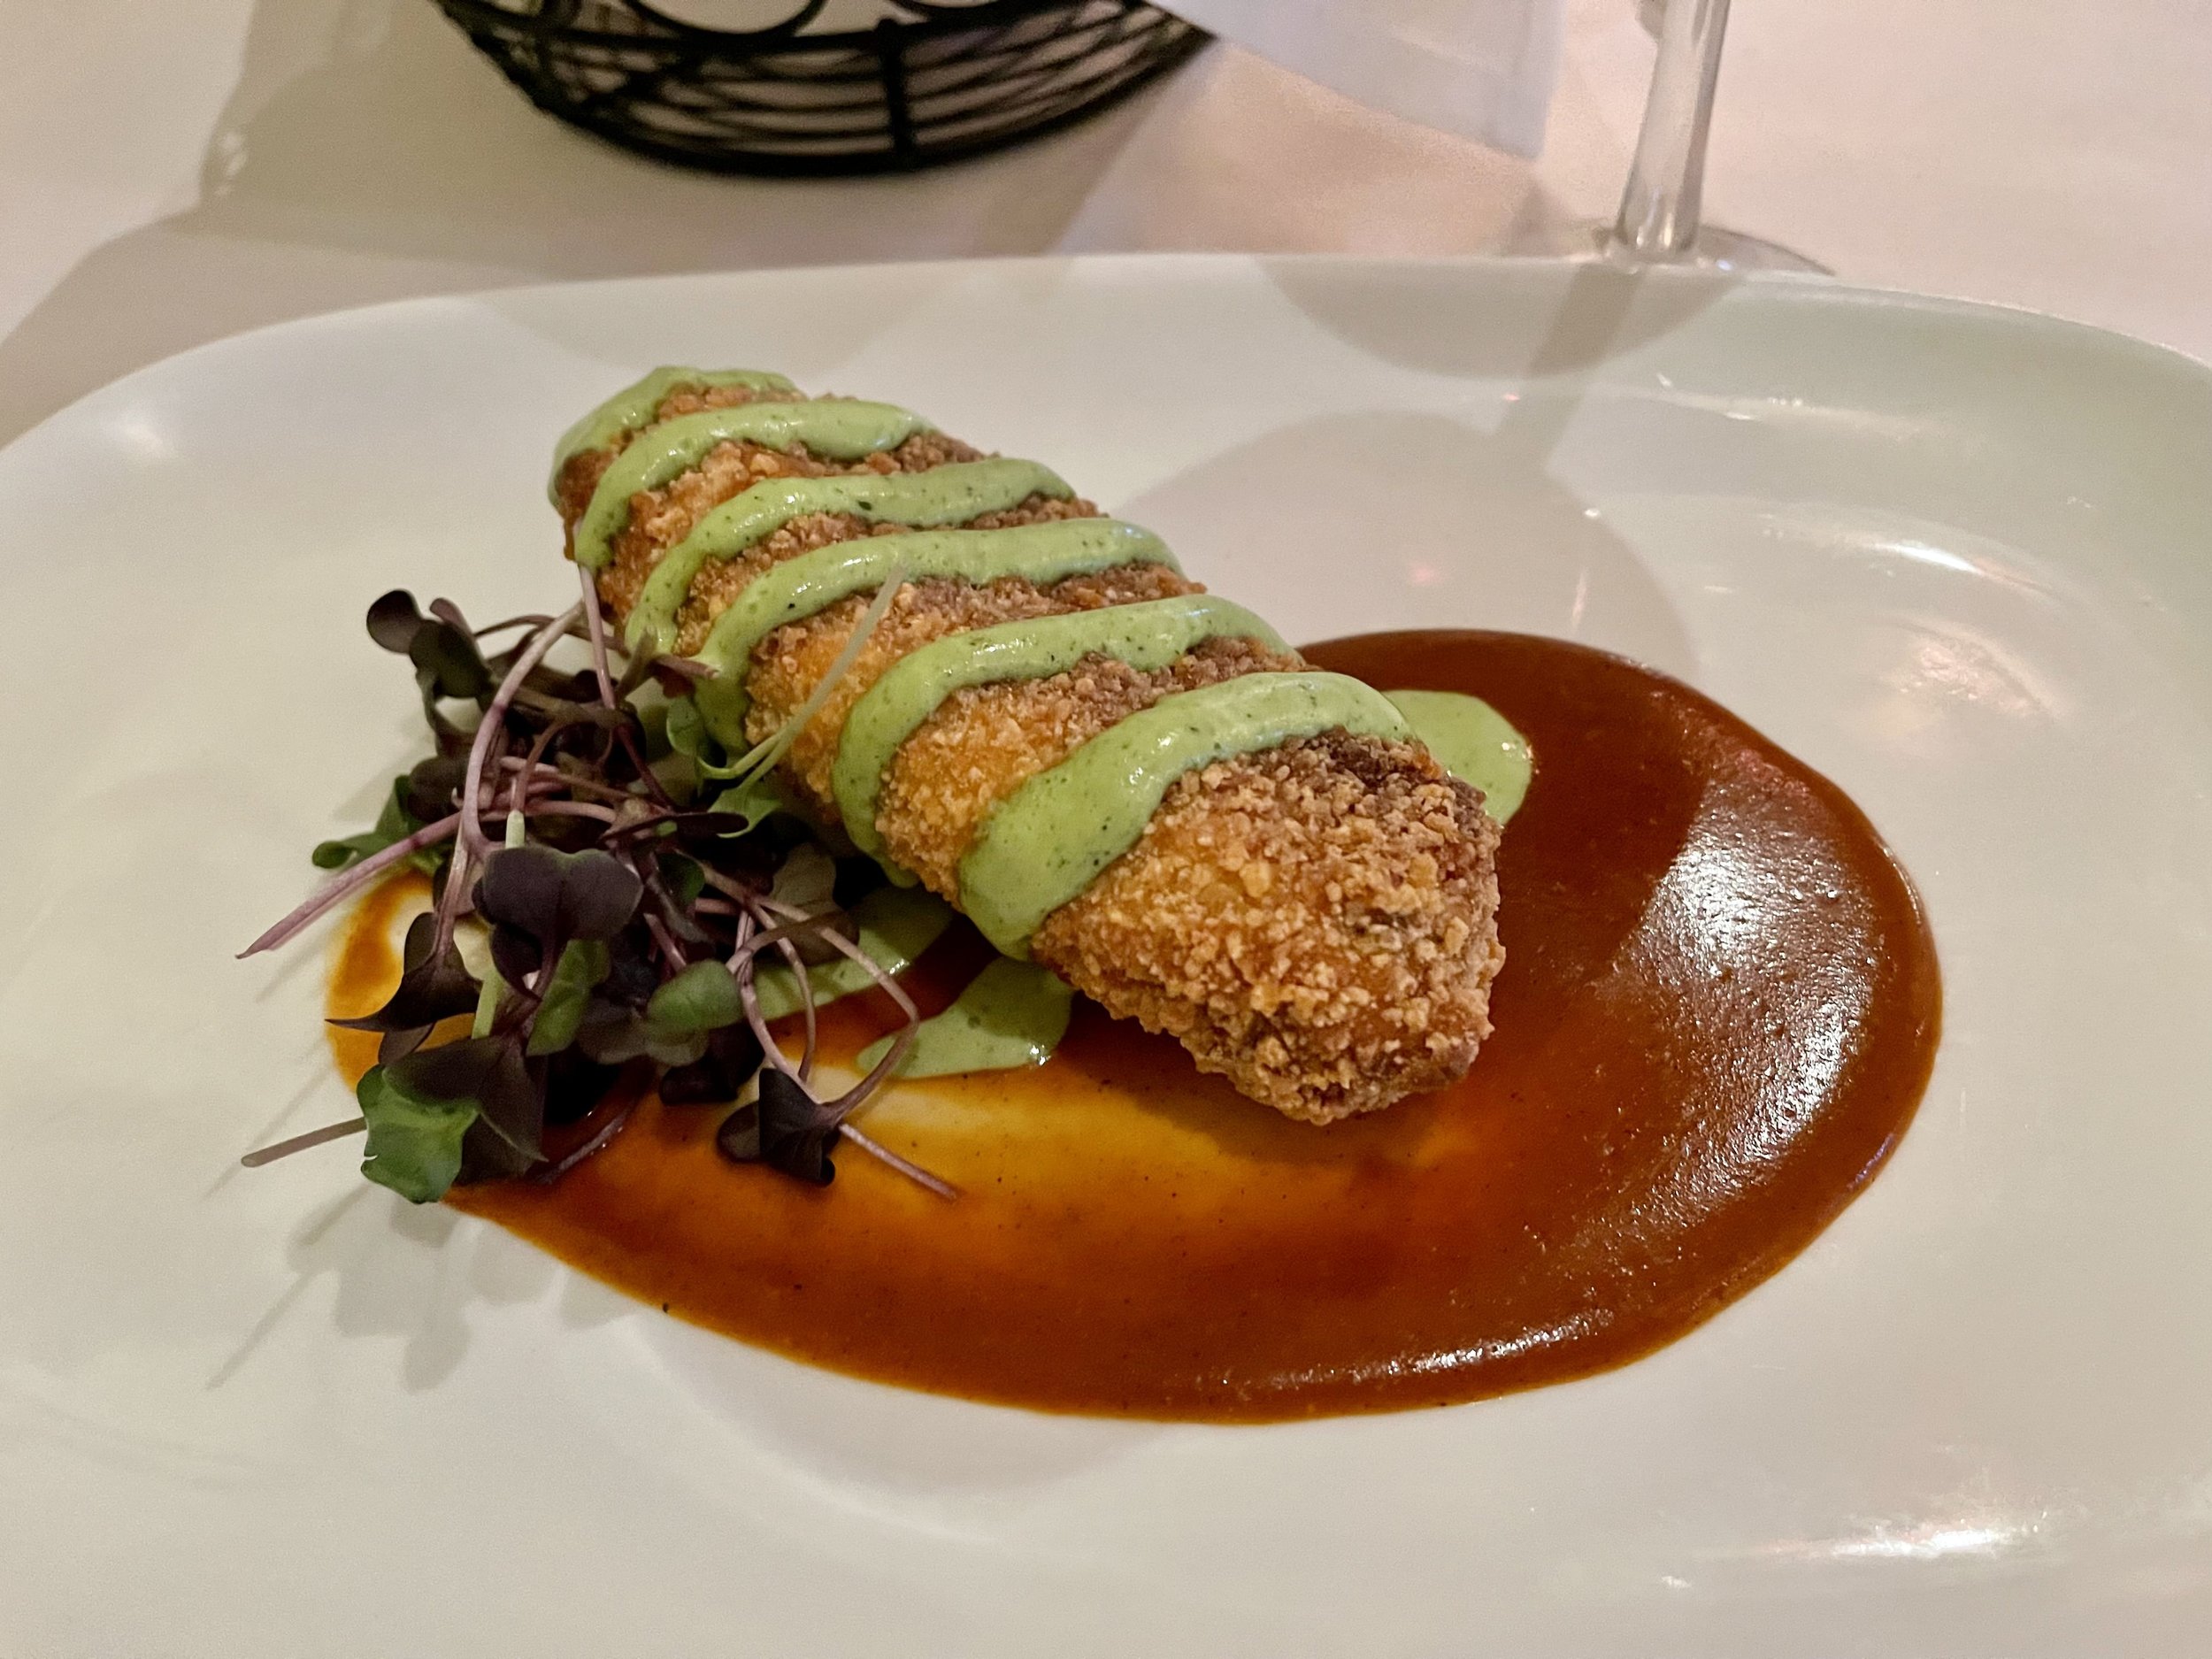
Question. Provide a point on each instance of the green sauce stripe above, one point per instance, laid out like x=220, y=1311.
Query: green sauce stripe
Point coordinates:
x=813, y=582
x=1013, y=1014
x=942, y=496
x=1050, y=839
x=842, y=429
x=633, y=407
x=1474, y=743
x=1145, y=636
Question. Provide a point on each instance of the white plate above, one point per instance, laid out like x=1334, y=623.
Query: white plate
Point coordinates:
x=1952, y=557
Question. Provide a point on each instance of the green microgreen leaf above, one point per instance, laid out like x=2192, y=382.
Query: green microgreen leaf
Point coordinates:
x=349, y=849
x=806, y=878
x=686, y=878
x=686, y=727
x=755, y=801
x=611, y=1036
x=392, y=823
x=703, y=997
x=396, y=820
x=583, y=963
x=687, y=735
x=487, y=1071
x=414, y=1145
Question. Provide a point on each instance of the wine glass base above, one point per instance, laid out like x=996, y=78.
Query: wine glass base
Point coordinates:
x=1714, y=249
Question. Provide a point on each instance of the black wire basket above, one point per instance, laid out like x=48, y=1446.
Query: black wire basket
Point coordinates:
x=923, y=81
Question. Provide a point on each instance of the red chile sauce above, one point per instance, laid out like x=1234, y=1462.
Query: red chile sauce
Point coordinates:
x=1719, y=1011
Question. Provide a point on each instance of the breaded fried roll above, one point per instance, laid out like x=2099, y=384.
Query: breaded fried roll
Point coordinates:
x=1107, y=769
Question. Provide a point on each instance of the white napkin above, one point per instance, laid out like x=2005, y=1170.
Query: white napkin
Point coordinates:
x=1482, y=68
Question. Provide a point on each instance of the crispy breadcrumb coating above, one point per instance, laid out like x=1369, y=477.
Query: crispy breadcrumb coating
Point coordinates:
x=659, y=518
x=788, y=663
x=984, y=742
x=580, y=473
x=1317, y=923
x=721, y=580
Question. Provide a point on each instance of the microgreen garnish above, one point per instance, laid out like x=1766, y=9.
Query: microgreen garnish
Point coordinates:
x=396, y=821
x=620, y=878
x=433, y=986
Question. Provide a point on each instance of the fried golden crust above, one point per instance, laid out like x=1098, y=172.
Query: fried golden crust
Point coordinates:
x=721, y=580
x=986, y=742
x=580, y=473
x=789, y=663
x=659, y=518
x=1317, y=923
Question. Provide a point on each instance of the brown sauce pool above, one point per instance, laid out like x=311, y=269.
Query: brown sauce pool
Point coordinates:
x=1719, y=1010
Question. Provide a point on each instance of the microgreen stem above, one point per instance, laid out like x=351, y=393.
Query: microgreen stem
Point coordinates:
x=328, y=1133
x=646, y=775
x=572, y=808
x=494, y=987
x=544, y=774
x=472, y=837
x=549, y=1173
x=688, y=667
x=598, y=628
x=454, y=898
x=666, y=940
x=857, y=1096
x=781, y=939
x=535, y=620
x=729, y=885
x=640, y=818
x=770, y=748
x=913, y=1173
x=352, y=882
x=741, y=965
x=538, y=746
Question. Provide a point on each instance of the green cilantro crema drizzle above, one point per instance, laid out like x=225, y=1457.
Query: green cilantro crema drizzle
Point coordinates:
x=1013, y=1014
x=895, y=925
x=1052, y=837
x=1145, y=636
x=837, y=428
x=1474, y=743
x=947, y=495
x=633, y=406
x=800, y=588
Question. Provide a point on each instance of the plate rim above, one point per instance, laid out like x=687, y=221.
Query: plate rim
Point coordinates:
x=1786, y=287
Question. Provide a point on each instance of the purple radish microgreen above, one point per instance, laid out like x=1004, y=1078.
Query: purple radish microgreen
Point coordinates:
x=613, y=930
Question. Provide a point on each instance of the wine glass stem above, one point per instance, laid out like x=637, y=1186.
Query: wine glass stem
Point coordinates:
x=1658, y=218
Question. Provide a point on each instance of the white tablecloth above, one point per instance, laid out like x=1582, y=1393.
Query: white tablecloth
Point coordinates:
x=1482, y=68
x=170, y=173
